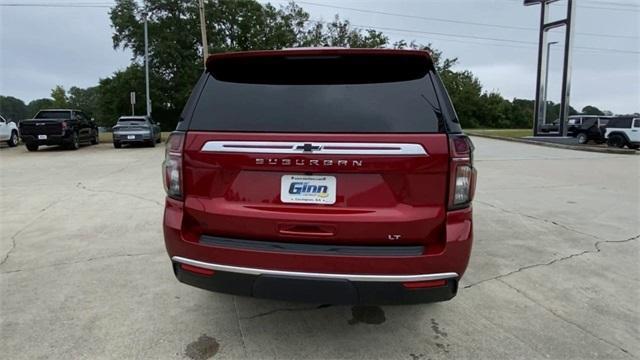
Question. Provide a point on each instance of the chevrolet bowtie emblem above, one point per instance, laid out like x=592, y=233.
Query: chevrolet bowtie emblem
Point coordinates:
x=308, y=147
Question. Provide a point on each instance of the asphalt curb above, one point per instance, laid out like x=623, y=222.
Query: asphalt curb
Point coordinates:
x=606, y=150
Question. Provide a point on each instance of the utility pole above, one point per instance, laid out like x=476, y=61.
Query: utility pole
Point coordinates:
x=146, y=64
x=203, y=29
x=546, y=80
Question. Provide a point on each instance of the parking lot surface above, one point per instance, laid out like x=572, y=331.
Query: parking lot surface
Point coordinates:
x=83, y=272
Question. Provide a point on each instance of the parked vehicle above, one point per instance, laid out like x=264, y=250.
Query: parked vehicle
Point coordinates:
x=8, y=132
x=623, y=130
x=322, y=175
x=67, y=127
x=574, y=122
x=136, y=129
x=588, y=128
x=553, y=127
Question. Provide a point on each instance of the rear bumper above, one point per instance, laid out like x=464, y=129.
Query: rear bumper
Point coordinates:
x=288, y=271
x=324, y=288
x=138, y=136
x=51, y=139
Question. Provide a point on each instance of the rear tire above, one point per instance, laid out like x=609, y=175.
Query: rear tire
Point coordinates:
x=117, y=145
x=96, y=138
x=616, y=140
x=32, y=147
x=633, y=147
x=13, y=140
x=582, y=138
x=75, y=142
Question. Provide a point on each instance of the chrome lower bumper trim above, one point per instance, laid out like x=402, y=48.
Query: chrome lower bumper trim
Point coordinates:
x=350, y=277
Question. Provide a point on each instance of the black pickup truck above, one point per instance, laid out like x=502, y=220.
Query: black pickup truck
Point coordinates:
x=66, y=127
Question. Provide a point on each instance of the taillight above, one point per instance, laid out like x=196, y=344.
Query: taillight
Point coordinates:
x=172, y=165
x=462, y=173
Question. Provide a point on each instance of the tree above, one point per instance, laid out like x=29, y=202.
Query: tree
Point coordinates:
x=113, y=99
x=521, y=114
x=340, y=33
x=13, y=109
x=84, y=99
x=591, y=110
x=59, y=96
x=175, y=50
x=36, y=105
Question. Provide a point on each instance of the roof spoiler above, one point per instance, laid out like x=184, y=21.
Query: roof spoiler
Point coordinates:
x=330, y=66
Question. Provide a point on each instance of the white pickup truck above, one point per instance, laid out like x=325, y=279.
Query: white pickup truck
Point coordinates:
x=8, y=132
x=623, y=130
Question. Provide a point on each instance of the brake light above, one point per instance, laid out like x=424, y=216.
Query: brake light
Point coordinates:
x=462, y=173
x=172, y=166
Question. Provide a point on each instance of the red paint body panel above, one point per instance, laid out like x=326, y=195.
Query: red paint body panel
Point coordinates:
x=454, y=255
x=230, y=195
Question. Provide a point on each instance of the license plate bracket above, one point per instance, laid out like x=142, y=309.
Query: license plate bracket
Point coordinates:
x=308, y=189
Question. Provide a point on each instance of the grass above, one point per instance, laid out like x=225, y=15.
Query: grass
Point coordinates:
x=510, y=133
x=108, y=138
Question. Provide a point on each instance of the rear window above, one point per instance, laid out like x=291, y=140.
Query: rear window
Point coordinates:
x=53, y=115
x=312, y=94
x=620, y=123
x=131, y=119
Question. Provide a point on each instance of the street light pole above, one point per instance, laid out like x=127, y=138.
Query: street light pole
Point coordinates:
x=146, y=65
x=203, y=30
x=546, y=81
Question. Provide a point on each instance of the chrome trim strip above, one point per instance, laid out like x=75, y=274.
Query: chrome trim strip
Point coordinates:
x=322, y=148
x=351, y=277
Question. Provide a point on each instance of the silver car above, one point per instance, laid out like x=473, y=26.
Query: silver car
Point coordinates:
x=136, y=129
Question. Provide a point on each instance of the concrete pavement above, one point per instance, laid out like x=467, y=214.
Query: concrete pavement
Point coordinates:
x=554, y=271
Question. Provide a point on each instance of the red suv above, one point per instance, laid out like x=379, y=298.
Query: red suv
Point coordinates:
x=321, y=175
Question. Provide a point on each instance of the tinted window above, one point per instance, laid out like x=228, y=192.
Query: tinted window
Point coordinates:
x=53, y=115
x=131, y=119
x=587, y=122
x=636, y=122
x=620, y=123
x=399, y=106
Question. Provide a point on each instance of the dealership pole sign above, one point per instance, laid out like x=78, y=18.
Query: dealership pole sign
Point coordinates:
x=543, y=56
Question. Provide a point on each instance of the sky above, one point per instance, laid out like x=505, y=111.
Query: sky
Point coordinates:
x=41, y=47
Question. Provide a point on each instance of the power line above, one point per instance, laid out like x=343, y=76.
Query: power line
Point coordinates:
x=59, y=5
x=370, y=27
x=498, y=26
x=514, y=2
x=478, y=37
x=612, y=3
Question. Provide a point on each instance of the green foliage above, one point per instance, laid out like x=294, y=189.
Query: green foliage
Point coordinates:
x=591, y=110
x=36, y=105
x=60, y=98
x=113, y=95
x=13, y=109
x=521, y=114
x=84, y=99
